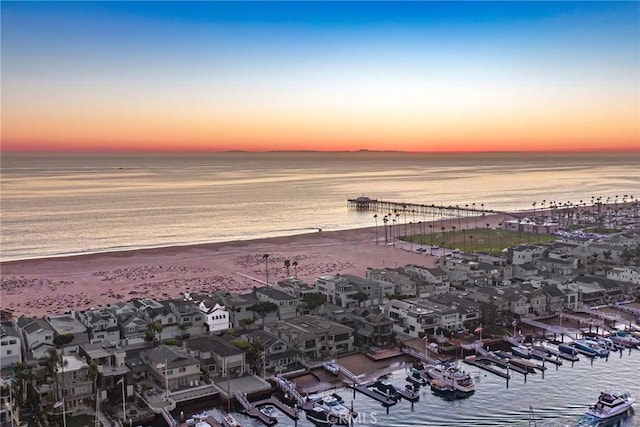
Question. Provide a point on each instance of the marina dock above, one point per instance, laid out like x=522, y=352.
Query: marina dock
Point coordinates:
x=251, y=410
x=363, y=388
x=485, y=365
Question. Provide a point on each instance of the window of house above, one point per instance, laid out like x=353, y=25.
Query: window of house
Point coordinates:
x=9, y=351
x=170, y=372
x=12, y=342
x=183, y=369
x=4, y=343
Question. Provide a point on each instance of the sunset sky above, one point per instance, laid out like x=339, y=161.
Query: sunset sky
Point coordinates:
x=416, y=76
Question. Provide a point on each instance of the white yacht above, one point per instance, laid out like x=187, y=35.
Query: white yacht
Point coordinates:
x=611, y=404
x=449, y=374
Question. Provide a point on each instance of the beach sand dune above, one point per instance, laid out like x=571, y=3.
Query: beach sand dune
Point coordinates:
x=46, y=286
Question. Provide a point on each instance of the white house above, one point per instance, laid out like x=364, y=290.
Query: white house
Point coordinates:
x=10, y=346
x=625, y=274
x=215, y=315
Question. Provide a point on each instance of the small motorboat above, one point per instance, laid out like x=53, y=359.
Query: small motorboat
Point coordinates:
x=611, y=404
x=229, y=421
x=269, y=410
x=321, y=417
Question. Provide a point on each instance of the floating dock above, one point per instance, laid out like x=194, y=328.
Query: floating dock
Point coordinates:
x=385, y=400
x=251, y=410
x=484, y=364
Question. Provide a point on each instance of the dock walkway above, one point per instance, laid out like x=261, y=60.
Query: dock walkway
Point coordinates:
x=251, y=410
x=385, y=400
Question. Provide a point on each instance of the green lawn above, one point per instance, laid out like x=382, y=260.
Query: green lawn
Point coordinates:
x=486, y=240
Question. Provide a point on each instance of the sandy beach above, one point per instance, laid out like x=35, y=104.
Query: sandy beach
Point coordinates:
x=40, y=287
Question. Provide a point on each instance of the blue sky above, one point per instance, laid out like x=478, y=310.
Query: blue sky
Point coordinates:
x=313, y=74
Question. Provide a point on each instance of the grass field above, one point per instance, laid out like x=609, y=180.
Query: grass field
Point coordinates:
x=487, y=240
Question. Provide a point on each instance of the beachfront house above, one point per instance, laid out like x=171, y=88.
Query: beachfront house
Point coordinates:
x=237, y=306
x=110, y=359
x=294, y=287
x=38, y=337
x=133, y=328
x=287, y=304
x=10, y=346
x=102, y=324
x=173, y=367
x=313, y=337
x=68, y=326
x=188, y=316
x=215, y=314
x=461, y=270
x=155, y=312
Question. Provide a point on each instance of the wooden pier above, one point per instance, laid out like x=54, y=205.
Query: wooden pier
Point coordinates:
x=431, y=211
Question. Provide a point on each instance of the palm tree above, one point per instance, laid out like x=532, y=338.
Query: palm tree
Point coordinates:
x=500, y=234
x=287, y=264
x=375, y=217
x=24, y=375
x=454, y=236
x=295, y=268
x=93, y=374
x=154, y=329
x=489, y=238
x=471, y=242
x=385, y=220
x=265, y=257
x=431, y=245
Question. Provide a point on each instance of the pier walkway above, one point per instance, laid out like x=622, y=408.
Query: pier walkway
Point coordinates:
x=626, y=308
x=559, y=330
x=251, y=410
x=420, y=356
x=290, y=389
x=432, y=211
x=605, y=316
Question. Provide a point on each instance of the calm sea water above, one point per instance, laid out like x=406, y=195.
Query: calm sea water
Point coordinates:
x=61, y=204
x=559, y=398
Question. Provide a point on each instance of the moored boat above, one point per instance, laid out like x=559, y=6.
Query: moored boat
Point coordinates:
x=321, y=417
x=521, y=351
x=450, y=374
x=611, y=404
x=229, y=421
x=417, y=377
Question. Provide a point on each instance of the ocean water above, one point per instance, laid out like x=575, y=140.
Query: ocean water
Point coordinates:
x=68, y=204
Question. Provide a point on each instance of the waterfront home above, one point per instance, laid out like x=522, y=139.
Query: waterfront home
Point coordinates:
x=111, y=361
x=102, y=324
x=10, y=346
x=287, y=304
x=613, y=290
x=173, y=367
x=215, y=314
x=508, y=299
x=278, y=354
x=412, y=317
x=216, y=356
x=314, y=337
x=469, y=313
x=74, y=384
x=67, y=324
x=590, y=293
x=156, y=312
x=371, y=326
x=38, y=337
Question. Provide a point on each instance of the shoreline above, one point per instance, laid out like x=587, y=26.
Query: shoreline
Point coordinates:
x=52, y=285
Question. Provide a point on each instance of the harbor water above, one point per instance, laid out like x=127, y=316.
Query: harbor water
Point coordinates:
x=559, y=397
